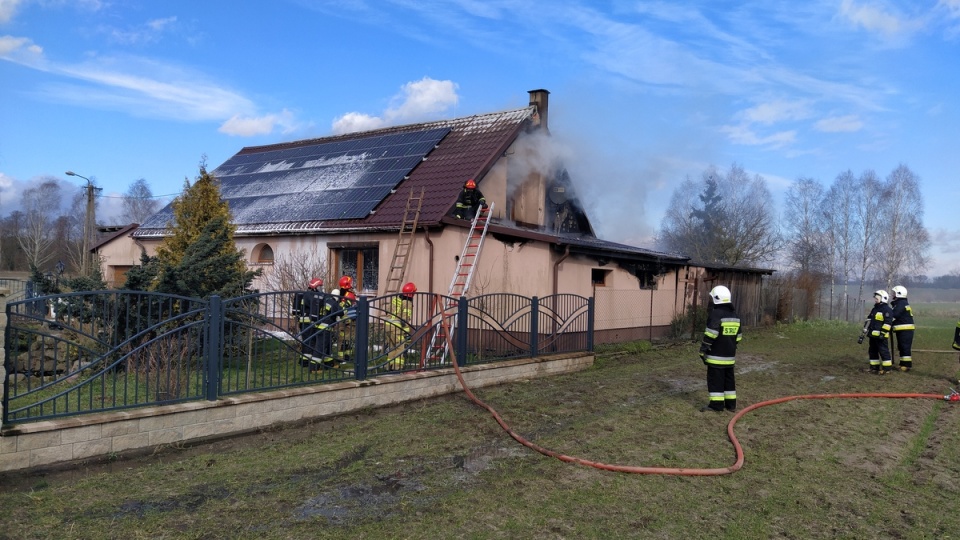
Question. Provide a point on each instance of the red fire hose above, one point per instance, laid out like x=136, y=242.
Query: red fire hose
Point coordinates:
x=676, y=471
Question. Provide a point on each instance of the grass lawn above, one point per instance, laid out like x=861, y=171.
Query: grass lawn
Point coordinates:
x=443, y=468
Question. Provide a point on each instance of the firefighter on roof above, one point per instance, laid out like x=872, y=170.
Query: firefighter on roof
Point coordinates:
x=469, y=201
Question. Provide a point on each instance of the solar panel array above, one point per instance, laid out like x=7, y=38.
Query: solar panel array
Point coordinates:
x=343, y=179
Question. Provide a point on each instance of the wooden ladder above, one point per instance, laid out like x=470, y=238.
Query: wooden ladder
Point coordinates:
x=459, y=285
x=404, y=247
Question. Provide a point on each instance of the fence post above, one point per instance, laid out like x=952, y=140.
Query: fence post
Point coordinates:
x=363, y=331
x=534, y=326
x=461, y=344
x=590, y=315
x=214, y=348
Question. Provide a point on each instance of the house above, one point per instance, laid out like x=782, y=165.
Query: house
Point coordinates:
x=345, y=198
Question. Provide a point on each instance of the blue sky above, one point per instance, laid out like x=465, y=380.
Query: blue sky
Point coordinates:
x=643, y=93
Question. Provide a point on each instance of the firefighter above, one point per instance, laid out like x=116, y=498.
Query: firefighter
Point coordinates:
x=469, y=201
x=344, y=310
x=903, y=327
x=398, y=328
x=877, y=327
x=311, y=307
x=956, y=337
x=719, y=350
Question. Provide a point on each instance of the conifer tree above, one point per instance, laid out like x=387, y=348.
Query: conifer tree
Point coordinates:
x=192, y=210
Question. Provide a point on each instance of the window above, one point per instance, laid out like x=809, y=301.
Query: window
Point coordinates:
x=366, y=258
x=598, y=276
x=263, y=254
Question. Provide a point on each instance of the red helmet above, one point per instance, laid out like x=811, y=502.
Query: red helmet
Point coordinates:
x=409, y=288
x=350, y=296
x=315, y=283
x=470, y=184
x=346, y=282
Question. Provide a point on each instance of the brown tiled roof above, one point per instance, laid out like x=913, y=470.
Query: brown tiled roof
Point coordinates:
x=469, y=150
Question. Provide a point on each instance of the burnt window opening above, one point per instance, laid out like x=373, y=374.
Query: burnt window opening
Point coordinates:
x=599, y=276
x=646, y=274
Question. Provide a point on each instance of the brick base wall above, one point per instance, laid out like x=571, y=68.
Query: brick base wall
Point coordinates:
x=61, y=441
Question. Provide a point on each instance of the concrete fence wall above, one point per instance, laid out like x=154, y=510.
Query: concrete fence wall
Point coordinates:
x=61, y=441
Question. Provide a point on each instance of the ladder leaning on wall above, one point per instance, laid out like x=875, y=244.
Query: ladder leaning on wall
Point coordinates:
x=459, y=285
x=404, y=248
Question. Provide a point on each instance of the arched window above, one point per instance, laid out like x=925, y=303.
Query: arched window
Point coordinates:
x=263, y=254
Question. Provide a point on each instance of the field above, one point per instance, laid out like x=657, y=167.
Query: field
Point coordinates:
x=876, y=467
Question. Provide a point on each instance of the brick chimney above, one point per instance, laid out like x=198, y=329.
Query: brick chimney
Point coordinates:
x=541, y=100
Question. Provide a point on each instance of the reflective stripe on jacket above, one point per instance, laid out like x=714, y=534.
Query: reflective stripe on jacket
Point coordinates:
x=902, y=315
x=721, y=336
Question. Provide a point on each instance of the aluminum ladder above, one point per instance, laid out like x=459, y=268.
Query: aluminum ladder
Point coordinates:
x=404, y=247
x=459, y=285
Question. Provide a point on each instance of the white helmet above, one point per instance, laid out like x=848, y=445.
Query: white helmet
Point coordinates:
x=720, y=295
x=882, y=294
x=899, y=291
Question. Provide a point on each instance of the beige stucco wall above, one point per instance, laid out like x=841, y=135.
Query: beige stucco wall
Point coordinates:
x=84, y=437
x=523, y=268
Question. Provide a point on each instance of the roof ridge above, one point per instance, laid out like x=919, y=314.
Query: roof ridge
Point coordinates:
x=380, y=131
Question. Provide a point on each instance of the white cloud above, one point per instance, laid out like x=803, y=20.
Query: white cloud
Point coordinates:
x=776, y=111
x=743, y=134
x=835, y=124
x=354, y=121
x=8, y=8
x=417, y=101
x=875, y=17
x=422, y=98
x=21, y=51
x=246, y=126
x=149, y=32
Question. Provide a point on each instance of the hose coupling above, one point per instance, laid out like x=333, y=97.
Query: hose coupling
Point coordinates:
x=952, y=396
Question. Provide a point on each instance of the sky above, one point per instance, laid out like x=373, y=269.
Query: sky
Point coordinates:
x=642, y=93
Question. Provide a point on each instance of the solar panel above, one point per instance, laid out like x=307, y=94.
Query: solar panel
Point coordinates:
x=345, y=179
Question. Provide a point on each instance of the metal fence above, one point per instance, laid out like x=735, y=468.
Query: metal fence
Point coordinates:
x=16, y=288
x=88, y=352
x=789, y=304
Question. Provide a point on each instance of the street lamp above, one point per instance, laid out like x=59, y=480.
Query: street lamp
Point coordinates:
x=88, y=225
x=60, y=267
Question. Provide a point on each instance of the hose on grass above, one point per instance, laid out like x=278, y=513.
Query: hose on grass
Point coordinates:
x=676, y=471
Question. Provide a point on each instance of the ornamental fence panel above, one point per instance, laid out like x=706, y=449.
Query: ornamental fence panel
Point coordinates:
x=87, y=352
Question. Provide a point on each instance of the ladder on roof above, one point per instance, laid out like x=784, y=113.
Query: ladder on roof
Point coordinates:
x=459, y=285
x=404, y=247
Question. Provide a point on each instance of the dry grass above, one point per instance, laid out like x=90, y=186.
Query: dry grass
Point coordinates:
x=851, y=468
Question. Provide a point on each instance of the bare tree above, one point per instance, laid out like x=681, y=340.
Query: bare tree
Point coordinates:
x=292, y=270
x=733, y=223
x=138, y=202
x=905, y=242
x=41, y=207
x=808, y=251
x=868, y=210
x=683, y=228
x=841, y=226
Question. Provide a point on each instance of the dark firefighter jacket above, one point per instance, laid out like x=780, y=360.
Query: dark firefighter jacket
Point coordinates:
x=721, y=337
x=878, y=322
x=956, y=337
x=902, y=315
x=309, y=305
x=469, y=198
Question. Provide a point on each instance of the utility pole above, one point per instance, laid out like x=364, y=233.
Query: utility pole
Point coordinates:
x=89, y=225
